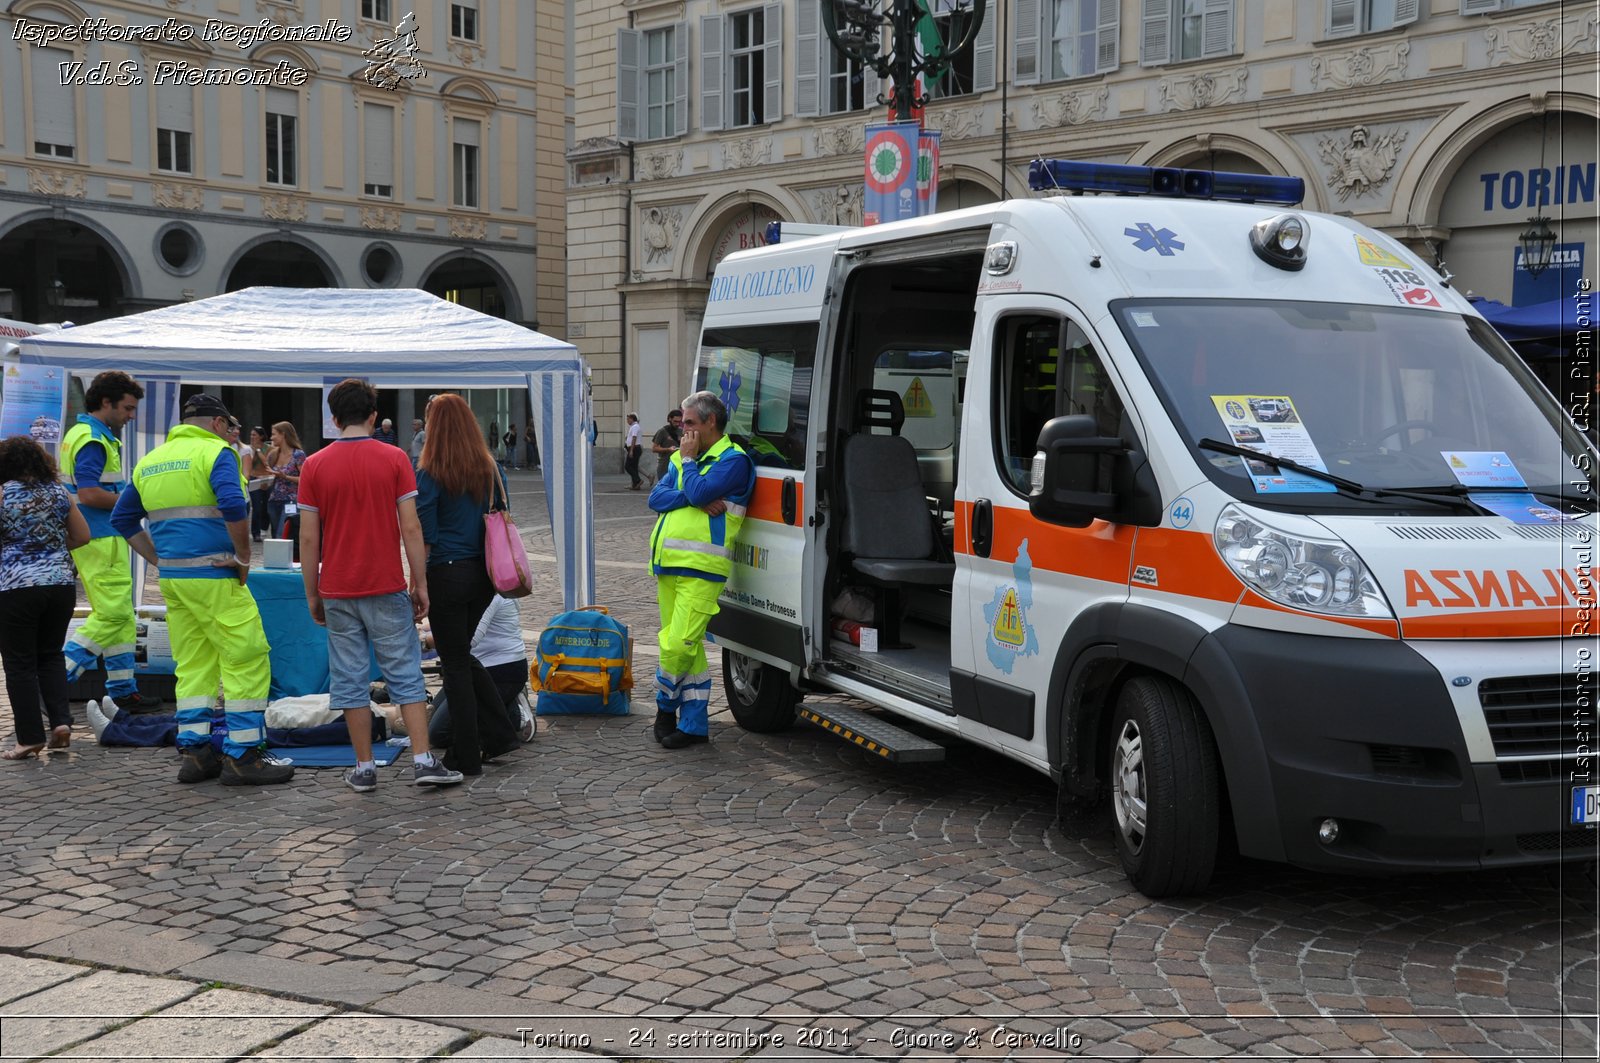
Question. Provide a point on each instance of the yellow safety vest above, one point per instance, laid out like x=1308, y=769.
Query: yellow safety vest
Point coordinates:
x=174, y=484
x=92, y=429
x=689, y=538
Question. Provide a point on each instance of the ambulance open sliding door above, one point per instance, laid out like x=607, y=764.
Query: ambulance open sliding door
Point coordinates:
x=763, y=374
x=1028, y=579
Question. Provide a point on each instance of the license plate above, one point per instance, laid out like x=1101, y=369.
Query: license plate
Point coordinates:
x=1586, y=804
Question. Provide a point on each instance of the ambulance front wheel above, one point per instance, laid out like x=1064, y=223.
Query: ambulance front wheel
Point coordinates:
x=1164, y=788
x=760, y=695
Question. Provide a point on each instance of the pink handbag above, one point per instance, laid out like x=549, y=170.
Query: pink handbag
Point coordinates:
x=503, y=550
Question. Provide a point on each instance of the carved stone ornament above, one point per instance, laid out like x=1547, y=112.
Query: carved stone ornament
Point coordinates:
x=68, y=184
x=1361, y=162
x=1199, y=91
x=1070, y=108
x=660, y=165
x=280, y=12
x=385, y=219
x=839, y=205
x=1364, y=66
x=1552, y=38
x=283, y=208
x=174, y=196
x=957, y=123
x=839, y=140
x=467, y=53
x=465, y=228
x=742, y=154
x=659, y=228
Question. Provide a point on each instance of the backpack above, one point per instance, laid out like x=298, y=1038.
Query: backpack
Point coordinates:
x=583, y=664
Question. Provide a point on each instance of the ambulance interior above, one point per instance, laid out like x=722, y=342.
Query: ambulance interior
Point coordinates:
x=891, y=454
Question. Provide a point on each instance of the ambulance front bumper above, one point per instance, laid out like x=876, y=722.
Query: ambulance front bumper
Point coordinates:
x=1370, y=735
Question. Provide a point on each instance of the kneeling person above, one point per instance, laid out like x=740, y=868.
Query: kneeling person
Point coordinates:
x=190, y=490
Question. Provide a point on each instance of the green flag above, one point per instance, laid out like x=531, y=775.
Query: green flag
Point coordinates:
x=931, y=45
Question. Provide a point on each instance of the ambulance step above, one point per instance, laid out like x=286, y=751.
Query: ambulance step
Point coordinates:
x=872, y=733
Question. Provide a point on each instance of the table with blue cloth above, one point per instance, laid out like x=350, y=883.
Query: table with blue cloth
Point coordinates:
x=299, y=644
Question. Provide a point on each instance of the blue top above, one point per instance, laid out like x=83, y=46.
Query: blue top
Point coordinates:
x=33, y=536
x=88, y=466
x=452, y=525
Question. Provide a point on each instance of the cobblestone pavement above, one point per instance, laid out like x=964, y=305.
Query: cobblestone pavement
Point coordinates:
x=706, y=902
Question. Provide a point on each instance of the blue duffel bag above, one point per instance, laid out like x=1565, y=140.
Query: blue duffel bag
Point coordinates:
x=583, y=664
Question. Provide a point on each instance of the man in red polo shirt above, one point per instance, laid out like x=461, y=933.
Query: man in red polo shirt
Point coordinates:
x=358, y=501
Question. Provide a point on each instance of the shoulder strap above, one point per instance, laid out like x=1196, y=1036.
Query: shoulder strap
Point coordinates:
x=499, y=493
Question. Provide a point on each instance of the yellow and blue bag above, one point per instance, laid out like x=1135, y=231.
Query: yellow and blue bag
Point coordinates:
x=583, y=664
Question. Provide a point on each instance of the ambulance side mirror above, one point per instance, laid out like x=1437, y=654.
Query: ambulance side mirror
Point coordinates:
x=1073, y=472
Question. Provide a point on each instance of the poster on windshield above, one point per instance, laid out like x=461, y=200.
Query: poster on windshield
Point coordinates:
x=1272, y=425
x=33, y=403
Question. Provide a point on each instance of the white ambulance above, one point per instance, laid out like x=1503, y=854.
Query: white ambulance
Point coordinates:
x=1236, y=516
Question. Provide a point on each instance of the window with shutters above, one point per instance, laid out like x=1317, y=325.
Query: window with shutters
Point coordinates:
x=465, y=135
x=653, y=82
x=747, y=71
x=175, y=129
x=972, y=70
x=1079, y=38
x=660, y=83
x=1346, y=17
x=1481, y=7
x=1175, y=30
x=464, y=21
x=826, y=81
x=741, y=68
x=843, y=83
x=377, y=10
x=377, y=150
x=282, y=120
x=55, y=107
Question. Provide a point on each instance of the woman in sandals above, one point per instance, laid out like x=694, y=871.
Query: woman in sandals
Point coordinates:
x=39, y=524
x=458, y=481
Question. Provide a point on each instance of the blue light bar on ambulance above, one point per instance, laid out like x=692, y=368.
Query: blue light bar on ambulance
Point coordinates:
x=779, y=231
x=1065, y=175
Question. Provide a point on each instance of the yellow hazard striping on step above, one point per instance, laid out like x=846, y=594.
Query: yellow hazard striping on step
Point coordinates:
x=845, y=732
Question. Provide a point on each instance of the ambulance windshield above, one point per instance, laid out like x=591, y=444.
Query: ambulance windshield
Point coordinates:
x=1385, y=397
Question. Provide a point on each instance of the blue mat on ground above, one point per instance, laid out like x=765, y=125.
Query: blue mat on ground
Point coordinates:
x=336, y=756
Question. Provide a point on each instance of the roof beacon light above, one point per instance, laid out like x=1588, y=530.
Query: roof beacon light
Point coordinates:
x=1064, y=175
x=1281, y=241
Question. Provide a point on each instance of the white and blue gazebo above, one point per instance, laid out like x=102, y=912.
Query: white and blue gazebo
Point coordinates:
x=395, y=338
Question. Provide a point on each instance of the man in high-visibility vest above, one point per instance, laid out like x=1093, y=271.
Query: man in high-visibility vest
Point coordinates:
x=190, y=490
x=91, y=465
x=702, y=501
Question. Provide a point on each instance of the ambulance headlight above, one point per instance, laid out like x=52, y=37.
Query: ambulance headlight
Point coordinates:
x=1281, y=241
x=1313, y=574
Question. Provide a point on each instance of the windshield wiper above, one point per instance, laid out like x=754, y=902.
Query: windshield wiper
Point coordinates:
x=1582, y=502
x=1448, y=499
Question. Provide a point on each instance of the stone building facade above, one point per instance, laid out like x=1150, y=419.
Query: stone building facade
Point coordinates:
x=1447, y=123
x=158, y=152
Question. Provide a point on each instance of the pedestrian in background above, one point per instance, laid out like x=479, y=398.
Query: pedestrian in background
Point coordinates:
x=191, y=491
x=386, y=433
x=457, y=483
x=39, y=524
x=260, y=483
x=419, y=436
x=632, y=451
x=664, y=443
x=91, y=466
x=701, y=500
x=286, y=461
x=510, y=439
x=532, y=443
x=358, y=503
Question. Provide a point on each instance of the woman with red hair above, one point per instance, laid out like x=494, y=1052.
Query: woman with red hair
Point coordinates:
x=458, y=481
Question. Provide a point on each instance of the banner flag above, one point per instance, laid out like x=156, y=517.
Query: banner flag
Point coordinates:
x=928, y=172
x=891, y=173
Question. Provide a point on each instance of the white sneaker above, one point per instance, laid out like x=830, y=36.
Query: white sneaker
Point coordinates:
x=100, y=719
x=525, y=726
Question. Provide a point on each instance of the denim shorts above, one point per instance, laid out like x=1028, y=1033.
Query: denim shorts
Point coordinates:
x=384, y=623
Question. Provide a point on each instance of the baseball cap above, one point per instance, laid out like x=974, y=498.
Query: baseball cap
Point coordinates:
x=203, y=405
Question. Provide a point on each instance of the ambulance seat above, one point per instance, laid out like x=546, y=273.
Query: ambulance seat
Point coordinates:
x=888, y=536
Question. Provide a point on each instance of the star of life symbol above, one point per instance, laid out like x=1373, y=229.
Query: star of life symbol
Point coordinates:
x=1147, y=237
x=728, y=384
x=392, y=61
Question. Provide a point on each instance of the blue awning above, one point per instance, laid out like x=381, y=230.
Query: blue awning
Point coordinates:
x=1556, y=321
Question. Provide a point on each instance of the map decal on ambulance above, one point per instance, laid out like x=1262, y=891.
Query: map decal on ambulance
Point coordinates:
x=1011, y=634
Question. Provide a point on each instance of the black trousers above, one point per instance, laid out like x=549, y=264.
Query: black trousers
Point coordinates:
x=458, y=593
x=631, y=465
x=260, y=522
x=509, y=680
x=33, y=628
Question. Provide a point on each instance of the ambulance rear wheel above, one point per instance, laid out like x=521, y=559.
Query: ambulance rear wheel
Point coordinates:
x=1164, y=788
x=760, y=695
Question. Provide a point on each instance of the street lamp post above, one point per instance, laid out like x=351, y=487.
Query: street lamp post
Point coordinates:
x=855, y=29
